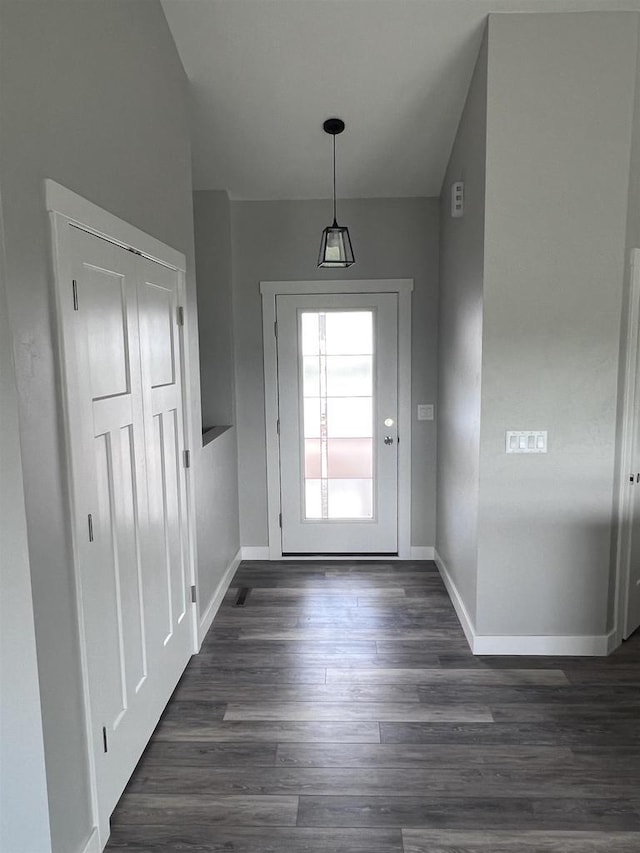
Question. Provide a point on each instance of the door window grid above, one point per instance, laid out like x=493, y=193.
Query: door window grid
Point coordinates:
x=324, y=463
x=337, y=353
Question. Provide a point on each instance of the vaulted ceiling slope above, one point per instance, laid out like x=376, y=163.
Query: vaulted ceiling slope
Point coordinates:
x=266, y=73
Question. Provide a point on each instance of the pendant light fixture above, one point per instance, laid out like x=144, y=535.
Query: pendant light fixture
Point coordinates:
x=335, y=247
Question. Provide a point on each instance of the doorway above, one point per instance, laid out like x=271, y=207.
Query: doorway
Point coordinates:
x=123, y=371
x=337, y=402
x=628, y=539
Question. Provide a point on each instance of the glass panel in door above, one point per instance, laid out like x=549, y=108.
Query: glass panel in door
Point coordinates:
x=337, y=414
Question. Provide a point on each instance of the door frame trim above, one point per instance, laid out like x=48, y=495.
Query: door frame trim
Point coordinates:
x=624, y=502
x=65, y=207
x=269, y=291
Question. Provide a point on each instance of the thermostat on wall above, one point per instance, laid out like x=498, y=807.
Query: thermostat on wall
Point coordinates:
x=526, y=441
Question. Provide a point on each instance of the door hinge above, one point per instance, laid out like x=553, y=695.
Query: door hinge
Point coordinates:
x=74, y=286
x=280, y=520
x=186, y=458
x=180, y=315
x=275, y=328
x=90, y=525
x=278, y=426
x=194, y=596
x=105, y=745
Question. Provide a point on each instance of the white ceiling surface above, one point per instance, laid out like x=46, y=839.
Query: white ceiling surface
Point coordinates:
x=266, y=73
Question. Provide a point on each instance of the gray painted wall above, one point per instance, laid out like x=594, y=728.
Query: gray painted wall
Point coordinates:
x=212, y=223
x=24, y=810
x=460, y=344
x=632, y=242
x=217, y=513
x=94, y=96
x=548, y=262
x=633, y=220
x=279, y=241
x=560, y=111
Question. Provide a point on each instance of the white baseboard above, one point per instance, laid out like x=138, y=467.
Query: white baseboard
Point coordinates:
x=93, y=844
x=255, y=552
x=456, y=600
x=614, y=641
x=261, y=552
x=216, y=601
x=483, y=644
x=422, y=552
x=557, y=646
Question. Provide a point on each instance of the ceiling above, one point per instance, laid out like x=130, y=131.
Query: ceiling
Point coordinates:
x=266, y=73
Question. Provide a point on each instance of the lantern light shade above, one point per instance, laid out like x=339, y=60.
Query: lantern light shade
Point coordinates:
x=335, y=247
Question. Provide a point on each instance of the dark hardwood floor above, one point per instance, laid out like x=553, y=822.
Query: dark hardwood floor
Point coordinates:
x=340, y=711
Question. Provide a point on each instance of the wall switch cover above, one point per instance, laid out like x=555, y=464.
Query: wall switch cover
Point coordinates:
x=526, y=441
x=425, y=411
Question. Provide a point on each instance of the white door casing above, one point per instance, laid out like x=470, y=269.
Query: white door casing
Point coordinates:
x=122, y=372
x=401, y=289
x=360, y=512
x=632, y=622
x=627, y=617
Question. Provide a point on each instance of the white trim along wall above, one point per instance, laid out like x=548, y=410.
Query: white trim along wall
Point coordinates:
x=214, y=605
x=484, y=644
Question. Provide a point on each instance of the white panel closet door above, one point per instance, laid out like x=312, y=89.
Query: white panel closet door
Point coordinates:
x=128, y=498
x=164, y=433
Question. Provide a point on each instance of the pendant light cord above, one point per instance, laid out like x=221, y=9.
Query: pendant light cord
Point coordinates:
x=335, y=221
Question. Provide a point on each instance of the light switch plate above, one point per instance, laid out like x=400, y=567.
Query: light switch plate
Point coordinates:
x=425, y=411
x=526, y=441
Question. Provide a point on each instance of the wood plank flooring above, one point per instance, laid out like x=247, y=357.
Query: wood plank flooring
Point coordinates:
x=340, y=711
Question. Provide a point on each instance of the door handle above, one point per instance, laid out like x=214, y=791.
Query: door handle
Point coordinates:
x=388, y=439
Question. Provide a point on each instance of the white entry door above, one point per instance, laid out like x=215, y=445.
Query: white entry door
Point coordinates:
x=632, y=616
x=125, y=422
x=338, y=412
x=633, y=594
x=629, y=524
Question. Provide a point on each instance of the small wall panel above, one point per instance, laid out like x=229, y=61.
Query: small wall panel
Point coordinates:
x=131, y=595
x=102, y=295
x=105, y=591
x=160, y=318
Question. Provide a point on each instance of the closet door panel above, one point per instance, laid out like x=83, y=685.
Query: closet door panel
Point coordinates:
x=158, y=289
x=130, y=574
x=110, y=500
